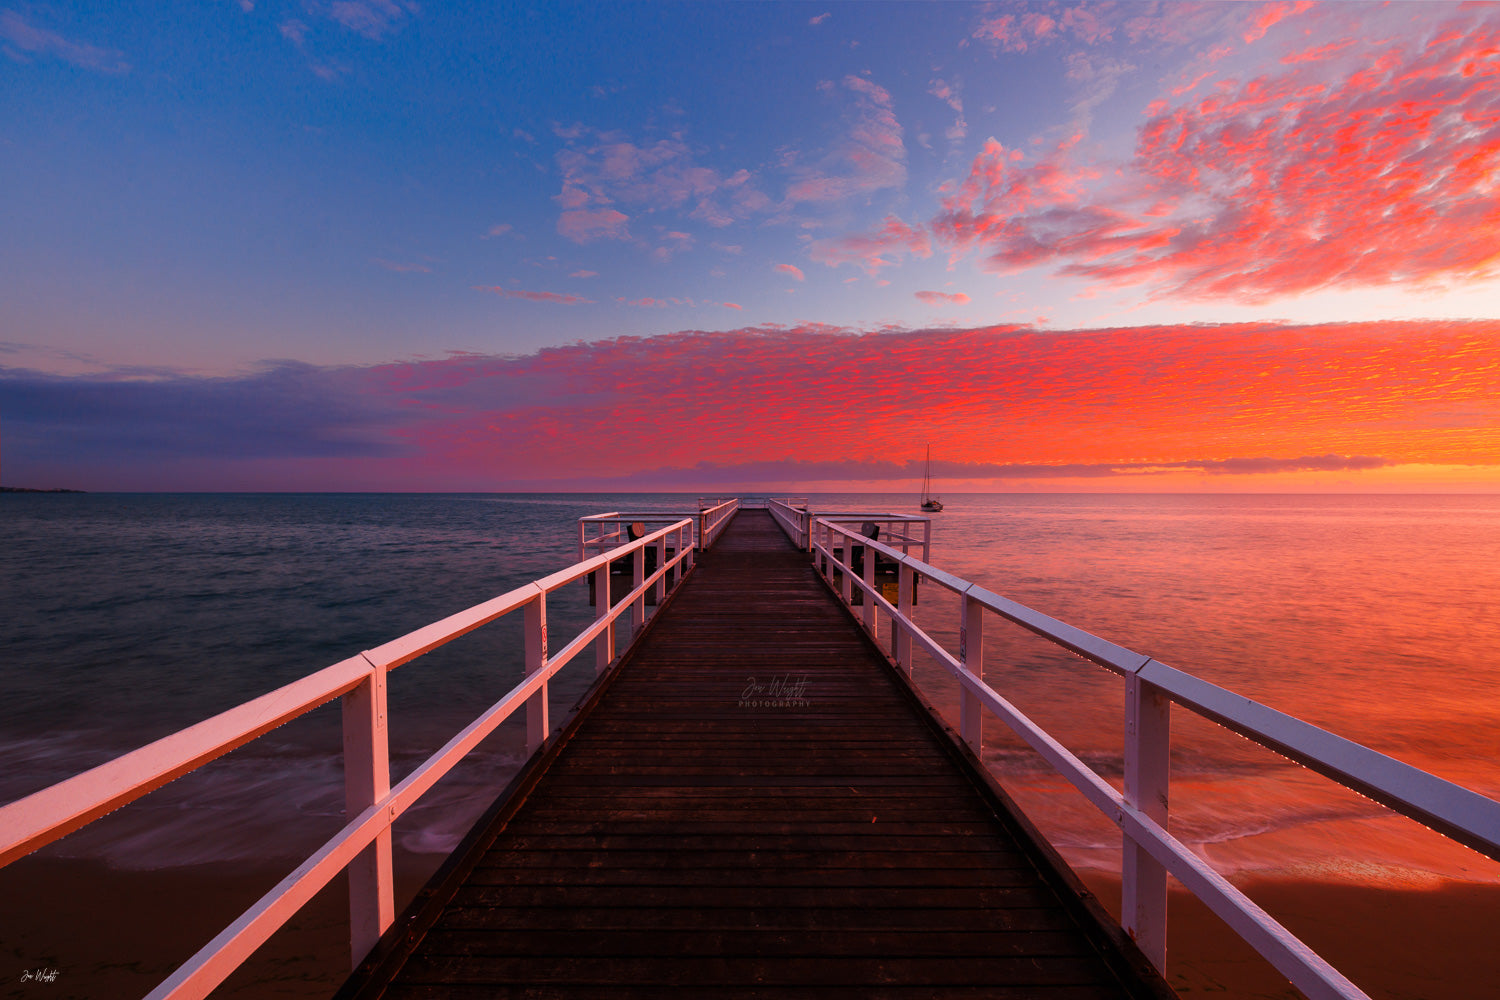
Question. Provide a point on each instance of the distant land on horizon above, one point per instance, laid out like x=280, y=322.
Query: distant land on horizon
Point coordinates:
x=27, y=489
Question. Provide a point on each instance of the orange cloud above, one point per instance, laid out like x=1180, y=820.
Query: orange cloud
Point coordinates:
x=1228, y=399
x=1109, y=409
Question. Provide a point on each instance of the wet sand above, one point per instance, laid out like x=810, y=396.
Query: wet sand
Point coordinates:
x=108, y=933
x=1432, y=944
x=84, y=930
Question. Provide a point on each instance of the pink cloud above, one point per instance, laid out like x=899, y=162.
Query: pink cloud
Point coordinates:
x=819, y=19
x=733, y=305
x=371, y=18
x=1270, y=14
x=584, y=274
x=582, y=226
x=943, y=298
x=24, y=37
x=1017, y=32
x=871, y=156
x=876, y=250
x=1373, y=168
x=791, y=269
x=516, y=293
x=659, y=177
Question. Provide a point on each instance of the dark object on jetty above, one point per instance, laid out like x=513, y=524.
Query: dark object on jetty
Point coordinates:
x=754, y=803
x=622, y=571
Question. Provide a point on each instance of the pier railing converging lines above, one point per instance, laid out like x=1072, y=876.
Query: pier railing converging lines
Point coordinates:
x=846, y=558
x=601, y=532
x=372, y=804
x=871, y=557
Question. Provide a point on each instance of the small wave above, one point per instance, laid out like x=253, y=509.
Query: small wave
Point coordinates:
x=276, y=805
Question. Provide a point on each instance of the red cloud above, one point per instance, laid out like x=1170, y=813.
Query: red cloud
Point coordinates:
x=1242, y=398
x=1371, y=169
x=516, y=293
x=943, y=298
x=1270, y=14
x=791, y=269
x=1209, y=396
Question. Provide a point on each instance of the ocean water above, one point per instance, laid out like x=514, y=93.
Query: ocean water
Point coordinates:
x=127, y=617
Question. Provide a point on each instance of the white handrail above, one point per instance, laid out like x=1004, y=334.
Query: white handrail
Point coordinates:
x=1457, y=812
x=363, y=845
x=614, y=526
x=795, y=519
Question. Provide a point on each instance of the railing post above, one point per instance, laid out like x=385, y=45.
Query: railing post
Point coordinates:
x=367, y=780
x=927, y=541
x=905, y=591
x=661, y=562
x=604, y=646
x=971, y=655
x=871, y=612
x=847, y=572
x=638, y=577
x=1148, y=737
x=538, y=720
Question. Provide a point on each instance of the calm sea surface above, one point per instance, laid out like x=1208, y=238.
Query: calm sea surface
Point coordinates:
x=127, y=617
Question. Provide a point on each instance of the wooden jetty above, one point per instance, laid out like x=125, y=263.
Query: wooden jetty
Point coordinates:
x=754, y=803
x=754, y=800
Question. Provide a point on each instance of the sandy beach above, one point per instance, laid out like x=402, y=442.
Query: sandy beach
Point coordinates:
x=1393, y=943
x=85, y=930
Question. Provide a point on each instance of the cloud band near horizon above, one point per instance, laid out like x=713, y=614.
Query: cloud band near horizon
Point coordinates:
x=787, y=405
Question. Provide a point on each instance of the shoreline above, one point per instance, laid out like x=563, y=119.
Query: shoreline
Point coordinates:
x=1395, y=943
x=116, y=932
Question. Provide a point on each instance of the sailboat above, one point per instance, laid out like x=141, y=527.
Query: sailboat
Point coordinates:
x=929, y=502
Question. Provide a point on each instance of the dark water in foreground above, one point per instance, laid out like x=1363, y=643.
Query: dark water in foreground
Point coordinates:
x=127, y=617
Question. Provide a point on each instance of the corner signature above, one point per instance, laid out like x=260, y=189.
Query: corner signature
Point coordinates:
x=39, y=976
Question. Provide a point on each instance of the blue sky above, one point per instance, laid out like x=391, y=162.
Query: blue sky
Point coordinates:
x=211, y=190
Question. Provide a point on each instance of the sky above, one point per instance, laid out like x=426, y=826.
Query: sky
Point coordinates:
x=393, y=245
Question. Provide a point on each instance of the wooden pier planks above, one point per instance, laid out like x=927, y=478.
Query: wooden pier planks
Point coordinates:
x=754, y=807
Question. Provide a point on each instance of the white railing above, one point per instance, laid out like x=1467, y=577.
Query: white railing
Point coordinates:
x=1150, y=852
x=795, y=519
x=898, y=530
x=601, y=532
x=372, y=805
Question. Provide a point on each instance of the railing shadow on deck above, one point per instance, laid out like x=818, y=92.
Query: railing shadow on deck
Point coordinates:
x=372, y=805
x=1141, y=811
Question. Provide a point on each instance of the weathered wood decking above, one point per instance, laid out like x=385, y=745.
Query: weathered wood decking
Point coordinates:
x=755, y=805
